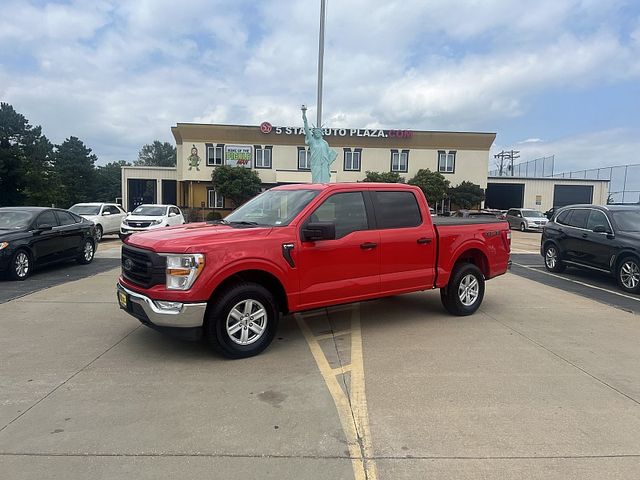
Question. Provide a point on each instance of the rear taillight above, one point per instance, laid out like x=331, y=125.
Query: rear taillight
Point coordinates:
x=506, y=239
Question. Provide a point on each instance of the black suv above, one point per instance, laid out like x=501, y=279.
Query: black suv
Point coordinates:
x=600, y=238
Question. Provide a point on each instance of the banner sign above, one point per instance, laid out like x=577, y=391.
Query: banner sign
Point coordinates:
x=267, y=128
x=238, y=155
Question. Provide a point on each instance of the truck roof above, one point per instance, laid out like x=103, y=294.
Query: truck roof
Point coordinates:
x=334, y=186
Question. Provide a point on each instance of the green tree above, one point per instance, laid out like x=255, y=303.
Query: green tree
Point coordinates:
x=466, y=195
x=75, y=174
x=25, y=161
x=109, y=181
x=157, y=154
x=383, y=177
x=433, y=184
x=237, y=184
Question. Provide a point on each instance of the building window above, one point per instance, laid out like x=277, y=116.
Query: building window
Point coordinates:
x=352, y=159
x=446, y=161
x=215, y=199
x=262, y=156
x=215, y=154
x=400, y=161
x=304, y=160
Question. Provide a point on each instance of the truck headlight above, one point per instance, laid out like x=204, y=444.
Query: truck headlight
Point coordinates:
x=182, y=270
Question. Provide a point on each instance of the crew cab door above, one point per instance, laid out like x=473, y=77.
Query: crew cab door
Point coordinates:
x=346, y=268
x=407, y=242
x=597, y=248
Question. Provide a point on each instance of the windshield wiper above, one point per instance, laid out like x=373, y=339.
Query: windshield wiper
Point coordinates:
x=218, y=221
x=243, y=222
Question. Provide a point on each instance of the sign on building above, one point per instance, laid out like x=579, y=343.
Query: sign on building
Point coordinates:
x=238, y=155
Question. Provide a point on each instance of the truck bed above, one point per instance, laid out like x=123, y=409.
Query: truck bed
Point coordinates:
x=446, y=221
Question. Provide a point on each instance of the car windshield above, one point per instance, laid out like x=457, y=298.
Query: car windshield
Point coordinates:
x=532, y=213
x=150, y=211
x=273, y=207
x=85, y=209
x=627, y=221
x=14, y=220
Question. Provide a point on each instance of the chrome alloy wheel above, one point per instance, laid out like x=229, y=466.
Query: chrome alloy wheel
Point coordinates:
x=551, y=258
x=469, y=290
x=246, y=322
x=88, y=251
x=630, y=274
x=21, y=265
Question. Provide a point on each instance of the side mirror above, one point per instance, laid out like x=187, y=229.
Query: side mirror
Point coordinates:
x=599, y=229
x=173, y=214
x=315, y=231
x=104, y=214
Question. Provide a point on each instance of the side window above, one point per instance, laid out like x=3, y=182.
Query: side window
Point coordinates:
x=596, y=217
x=579, y=218
x=174, y=210
x=65, y=218
x=397, y=209
x=47, y=218
x=346, y=210
x=113, y=209
x=563, y=217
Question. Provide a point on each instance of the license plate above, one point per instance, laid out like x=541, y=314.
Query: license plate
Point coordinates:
x=122, y=299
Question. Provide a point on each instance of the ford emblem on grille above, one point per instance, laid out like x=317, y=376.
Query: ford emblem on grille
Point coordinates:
x=127, y=264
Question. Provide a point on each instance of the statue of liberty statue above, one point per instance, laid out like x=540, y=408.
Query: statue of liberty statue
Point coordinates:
x=321, y=155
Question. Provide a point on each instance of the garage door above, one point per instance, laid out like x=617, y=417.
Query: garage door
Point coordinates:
x=572, y=194
x=503, y=196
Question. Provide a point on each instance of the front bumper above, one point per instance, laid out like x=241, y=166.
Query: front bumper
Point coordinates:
x=176, y=316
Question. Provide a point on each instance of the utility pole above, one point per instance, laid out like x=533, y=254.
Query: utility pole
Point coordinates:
x=506, y=156
x=320, y=62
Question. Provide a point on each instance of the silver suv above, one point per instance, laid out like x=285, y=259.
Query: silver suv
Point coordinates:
x=525, y=219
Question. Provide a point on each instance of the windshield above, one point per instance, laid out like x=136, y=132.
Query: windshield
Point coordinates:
x=150, y=211
x=85, y=209
x=627, y=221
x=14, y=220
x=532, y=213
x=273, y=207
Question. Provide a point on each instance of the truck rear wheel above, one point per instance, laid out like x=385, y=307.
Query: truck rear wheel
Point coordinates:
x=243, y=321
x=465, y=291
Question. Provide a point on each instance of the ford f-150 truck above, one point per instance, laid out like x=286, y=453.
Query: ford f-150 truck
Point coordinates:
x=301, y=247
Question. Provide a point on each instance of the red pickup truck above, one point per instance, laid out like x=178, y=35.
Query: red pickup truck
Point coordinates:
x=300, y=247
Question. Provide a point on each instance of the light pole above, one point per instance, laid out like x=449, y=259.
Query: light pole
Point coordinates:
x=320, y=62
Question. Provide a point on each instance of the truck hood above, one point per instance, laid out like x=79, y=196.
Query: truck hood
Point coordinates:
x=194, y=237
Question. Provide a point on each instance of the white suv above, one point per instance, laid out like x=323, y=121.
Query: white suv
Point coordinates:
x=106, y=216
x=146, y=217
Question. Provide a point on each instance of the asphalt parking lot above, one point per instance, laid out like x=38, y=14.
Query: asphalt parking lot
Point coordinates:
x=541, y=383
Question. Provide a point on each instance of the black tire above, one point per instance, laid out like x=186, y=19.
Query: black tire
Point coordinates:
x=220, y=321
x=628, y=274
x=99, y=233
x=18, y=270
x=523, y=227
x=88, y=252
x=458, y=302
x=552, y=260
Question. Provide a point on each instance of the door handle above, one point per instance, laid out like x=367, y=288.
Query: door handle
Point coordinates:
x=368, y=245
x=585, y=235
x=424, y=240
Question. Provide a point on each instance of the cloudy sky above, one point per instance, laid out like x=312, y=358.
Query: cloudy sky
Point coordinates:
x=550, y=77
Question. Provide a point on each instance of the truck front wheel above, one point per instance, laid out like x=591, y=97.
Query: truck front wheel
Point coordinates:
x=465, y=291
x=243, y=321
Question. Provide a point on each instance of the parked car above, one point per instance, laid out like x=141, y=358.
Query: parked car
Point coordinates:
x=34, y=236
x=107, y=216
x=320, y=245
x=606, y=239
x=526, y=219
x=150, y=216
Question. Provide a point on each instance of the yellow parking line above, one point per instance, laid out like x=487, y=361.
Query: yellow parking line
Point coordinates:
x=327, y=336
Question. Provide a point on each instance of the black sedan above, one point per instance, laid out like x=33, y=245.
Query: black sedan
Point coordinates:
x=601, y=238
x=34, y=236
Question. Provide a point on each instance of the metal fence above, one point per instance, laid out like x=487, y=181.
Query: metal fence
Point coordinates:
x=539, y=167
x=624, y=181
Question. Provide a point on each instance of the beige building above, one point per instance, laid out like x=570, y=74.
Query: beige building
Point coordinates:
x=279, y=156
x=543, y=193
